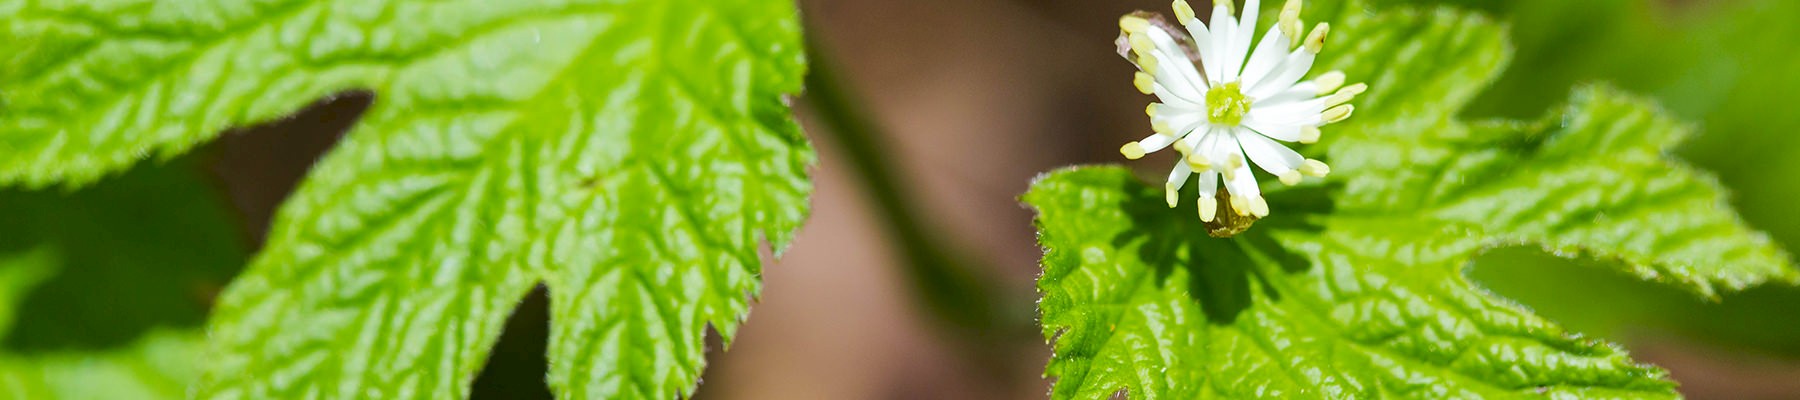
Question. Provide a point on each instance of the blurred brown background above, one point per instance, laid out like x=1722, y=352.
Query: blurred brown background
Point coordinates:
x=975, y=98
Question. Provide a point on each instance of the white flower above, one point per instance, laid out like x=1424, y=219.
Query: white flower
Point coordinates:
x=1241, y=106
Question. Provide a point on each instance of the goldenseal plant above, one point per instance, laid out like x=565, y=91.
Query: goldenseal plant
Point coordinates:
x=1363, y=291
x=1241, y=106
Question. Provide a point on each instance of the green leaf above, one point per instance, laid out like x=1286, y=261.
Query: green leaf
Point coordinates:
x=1599, y=183
x=102, y=290
x=1709, y=62
x=1355, y=288
x=628, y=154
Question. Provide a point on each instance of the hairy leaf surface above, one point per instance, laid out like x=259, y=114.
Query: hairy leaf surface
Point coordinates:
x=628, y=154
x=1355, y=287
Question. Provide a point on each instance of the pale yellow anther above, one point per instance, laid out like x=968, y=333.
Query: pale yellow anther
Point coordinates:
x=1339, y=98
x=1183, y=147
x=1144, y=82
x=1339, y=114
x=1141, y=44
x=1148, y=64
x=1290, y=20
x=1315, y=42
x=1133, y=24
x=1259, y=207
x=1346, y=94
x=1162, y=127
x=1150, y=110
x=1329, y=82
x=1132, y=151
x=1315, y=168
x=1240, y=205
x=1169, y=193
x=1237, y=161
x=1309, y=134
x=1183, y=11
x=1209, y=208
x=1199, y=162
x=1230, y=7
x=1290, y=178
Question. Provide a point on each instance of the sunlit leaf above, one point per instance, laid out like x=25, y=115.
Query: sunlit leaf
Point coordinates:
x=631, y=155
x=1355, y=288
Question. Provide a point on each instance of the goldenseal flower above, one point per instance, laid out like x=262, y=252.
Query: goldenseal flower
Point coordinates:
x=1243, y=104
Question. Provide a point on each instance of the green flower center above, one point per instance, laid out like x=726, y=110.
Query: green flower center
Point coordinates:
x=1226, y=104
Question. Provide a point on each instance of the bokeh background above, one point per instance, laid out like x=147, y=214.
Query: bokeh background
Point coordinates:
x=914, y=277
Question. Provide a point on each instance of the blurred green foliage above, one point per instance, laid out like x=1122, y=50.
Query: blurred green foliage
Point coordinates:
x=1591, y=298
x=102, y=290
x=1727, y=66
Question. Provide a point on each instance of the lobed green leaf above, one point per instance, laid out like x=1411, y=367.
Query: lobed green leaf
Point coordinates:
x=1351, y=307
x=631, y=155
x=1355, y=287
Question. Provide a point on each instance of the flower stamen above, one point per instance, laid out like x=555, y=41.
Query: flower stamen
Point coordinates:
x=1338, y=114
x=1133, y=24
x=1345, y=95
x=1228, y=102
x=1209, y=208
x=1183, y=11
x=1289, y=22
x=1315, y=42
x=1144, y=82
x=1309, y=134
x=1290, y=178
x=1315, y=168
x=1198, y=162
x=1329, y=82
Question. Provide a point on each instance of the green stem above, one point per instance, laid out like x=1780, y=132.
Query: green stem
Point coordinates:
x=945, y=280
